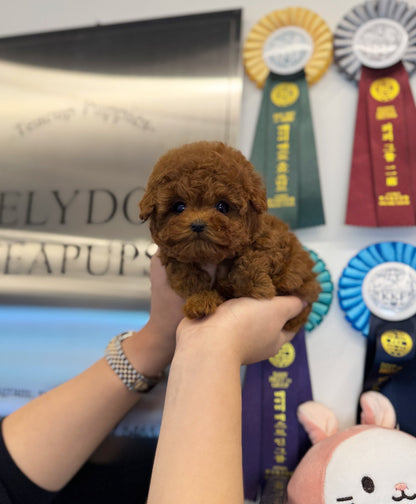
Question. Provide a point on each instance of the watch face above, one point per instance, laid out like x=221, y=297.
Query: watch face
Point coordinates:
x=142, y=385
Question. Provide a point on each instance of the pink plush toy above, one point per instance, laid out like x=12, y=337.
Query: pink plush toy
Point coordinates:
x=371, y=463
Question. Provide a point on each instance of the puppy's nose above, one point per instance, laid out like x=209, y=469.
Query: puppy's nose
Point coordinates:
x=198, y=226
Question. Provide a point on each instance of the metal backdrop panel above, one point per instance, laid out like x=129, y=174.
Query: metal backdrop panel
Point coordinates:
x=85, y=113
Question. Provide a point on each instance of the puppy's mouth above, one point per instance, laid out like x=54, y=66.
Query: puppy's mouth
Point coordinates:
x=196, y=244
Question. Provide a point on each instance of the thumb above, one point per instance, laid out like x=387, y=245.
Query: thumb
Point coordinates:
x=290, y=306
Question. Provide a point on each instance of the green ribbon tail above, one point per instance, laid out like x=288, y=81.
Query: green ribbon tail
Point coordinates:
x=284, y=152
x=259, y=153
x=312, y=211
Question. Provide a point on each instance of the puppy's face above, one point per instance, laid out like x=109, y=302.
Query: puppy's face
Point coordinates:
x=203, y=205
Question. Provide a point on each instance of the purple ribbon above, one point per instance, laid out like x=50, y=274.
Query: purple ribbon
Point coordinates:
x=273, y=439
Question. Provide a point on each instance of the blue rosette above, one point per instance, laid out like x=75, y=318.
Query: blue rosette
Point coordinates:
x=321, y=307
x=350, y=287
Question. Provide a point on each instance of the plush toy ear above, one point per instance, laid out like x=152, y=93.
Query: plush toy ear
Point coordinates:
x=318, y=421
x=376, y=409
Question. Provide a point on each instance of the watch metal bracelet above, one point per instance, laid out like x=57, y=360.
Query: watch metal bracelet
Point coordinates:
x=119, y=363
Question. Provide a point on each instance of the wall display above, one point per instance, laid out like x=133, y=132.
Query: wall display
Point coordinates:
x=284, y=51
x=375, y=44
x=377, y=291
x=85, y=114
x=273, y=439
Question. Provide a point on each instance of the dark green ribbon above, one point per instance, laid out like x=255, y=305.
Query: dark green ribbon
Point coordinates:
x=284, y=154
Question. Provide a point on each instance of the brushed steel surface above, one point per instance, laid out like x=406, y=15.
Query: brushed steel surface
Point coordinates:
x=85, y=114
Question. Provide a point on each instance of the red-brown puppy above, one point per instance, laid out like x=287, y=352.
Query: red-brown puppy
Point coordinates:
x=207, y=205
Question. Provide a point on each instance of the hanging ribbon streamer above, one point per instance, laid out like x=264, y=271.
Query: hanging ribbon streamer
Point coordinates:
x=377, y=291
x=286, y=50
x=375, y=44
x=273, y=439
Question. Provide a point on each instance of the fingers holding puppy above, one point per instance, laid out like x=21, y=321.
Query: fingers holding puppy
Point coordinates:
x=246, y=329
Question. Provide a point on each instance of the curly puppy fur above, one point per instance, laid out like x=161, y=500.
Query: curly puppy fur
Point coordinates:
x=207, y=205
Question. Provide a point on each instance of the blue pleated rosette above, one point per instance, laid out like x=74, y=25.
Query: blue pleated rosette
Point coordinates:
x=321, y=306
x=350, y=284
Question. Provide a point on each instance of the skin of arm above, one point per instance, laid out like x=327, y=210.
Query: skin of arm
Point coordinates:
x=51, y=437
x=199, y=453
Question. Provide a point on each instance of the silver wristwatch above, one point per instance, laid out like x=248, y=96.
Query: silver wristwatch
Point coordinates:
x=118, y=361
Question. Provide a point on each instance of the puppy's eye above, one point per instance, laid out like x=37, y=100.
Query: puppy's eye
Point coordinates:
x=223, y=207
x=178, y=207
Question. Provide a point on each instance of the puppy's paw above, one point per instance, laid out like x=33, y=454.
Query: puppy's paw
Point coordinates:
x=202, y=304
x=259, y=290
x=251, y=280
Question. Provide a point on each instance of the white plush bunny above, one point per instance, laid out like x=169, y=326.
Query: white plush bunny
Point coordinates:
x=371, y=463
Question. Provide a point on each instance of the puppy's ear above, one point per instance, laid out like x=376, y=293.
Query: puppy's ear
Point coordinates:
x=147, y=204
x=259, y=203
x=257, y=194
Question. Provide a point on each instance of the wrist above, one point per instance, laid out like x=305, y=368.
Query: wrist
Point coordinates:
x=134, y=380
x=147, y=352
x=197, y=344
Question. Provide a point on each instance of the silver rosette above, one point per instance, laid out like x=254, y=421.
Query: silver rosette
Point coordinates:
x=321, y=306
x=377, y=34
x=380, y=279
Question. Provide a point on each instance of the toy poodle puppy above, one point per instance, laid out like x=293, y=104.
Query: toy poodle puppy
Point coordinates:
x=207, y=207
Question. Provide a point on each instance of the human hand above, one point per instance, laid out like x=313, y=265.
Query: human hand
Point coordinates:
x=165, y=304
x=151, y=349
x=249, y=330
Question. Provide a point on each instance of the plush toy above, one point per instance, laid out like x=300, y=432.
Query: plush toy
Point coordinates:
x=207, y=209
x=372, y=463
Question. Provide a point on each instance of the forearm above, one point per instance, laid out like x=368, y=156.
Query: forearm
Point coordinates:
x=198, y=458
x=51, y=437
x=199, y=453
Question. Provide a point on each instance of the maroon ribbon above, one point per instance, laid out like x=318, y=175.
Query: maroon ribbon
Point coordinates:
x=273, y=439
x=382, y=189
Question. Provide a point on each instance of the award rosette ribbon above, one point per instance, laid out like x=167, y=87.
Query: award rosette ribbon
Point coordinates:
x=377, y=291
x=283, y=53
x=273, y=439
x=375, y=44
